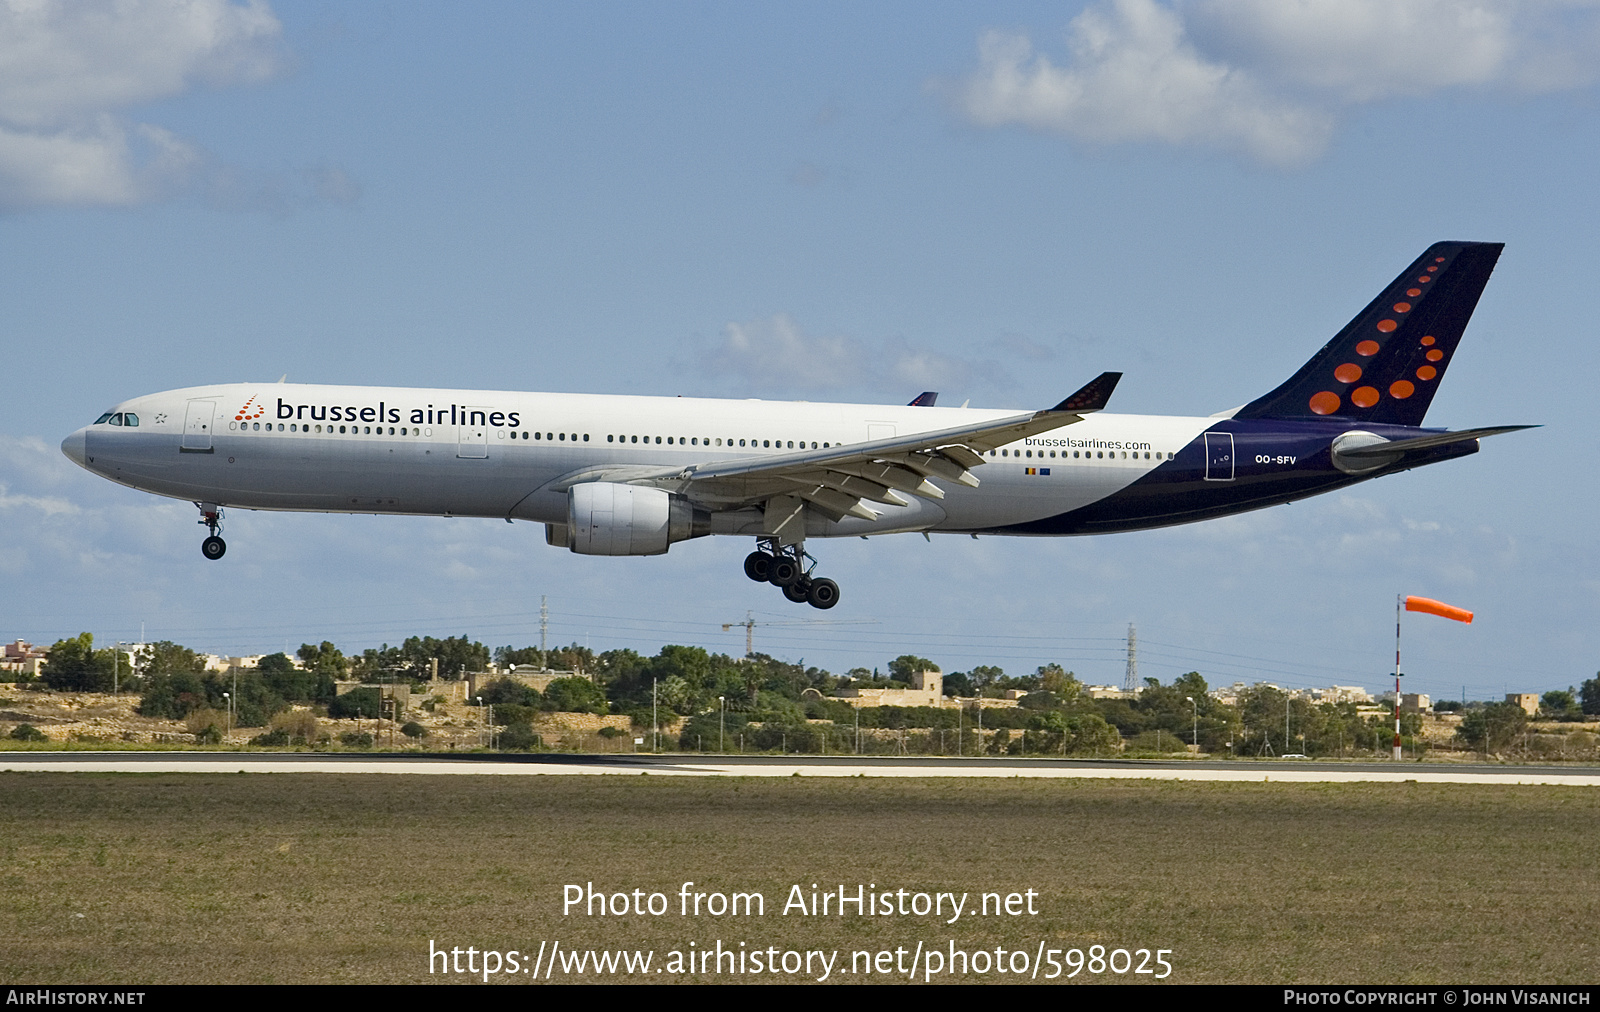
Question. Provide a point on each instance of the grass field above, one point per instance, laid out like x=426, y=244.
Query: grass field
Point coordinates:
x=288, y=878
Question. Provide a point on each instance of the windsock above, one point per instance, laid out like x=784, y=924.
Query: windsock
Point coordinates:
x=1432, y=607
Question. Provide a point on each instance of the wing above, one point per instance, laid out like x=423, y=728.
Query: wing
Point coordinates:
x=838, y=481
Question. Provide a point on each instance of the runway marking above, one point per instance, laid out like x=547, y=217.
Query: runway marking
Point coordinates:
x=622, y=767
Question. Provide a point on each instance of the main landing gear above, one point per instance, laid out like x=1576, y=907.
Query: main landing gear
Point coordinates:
x=785, y=567
x=211, y=516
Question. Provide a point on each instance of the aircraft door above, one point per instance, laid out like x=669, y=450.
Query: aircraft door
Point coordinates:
x=1219, y=456
x=197, y=427
x=472, y=439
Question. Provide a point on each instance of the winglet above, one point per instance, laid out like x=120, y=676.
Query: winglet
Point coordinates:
x=926, y=399
x=1093, y=396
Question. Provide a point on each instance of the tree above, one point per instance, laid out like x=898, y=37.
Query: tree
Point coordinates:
x=1054, y=678
x=1494, y=727
x=1589, y=695
x=575, y=695
x=357, y=703
x=304, y=685
x=906, y=665
x=983, y=676
x=1559, y=704
x=75, y=666
x=502, y=691
x=324, y=659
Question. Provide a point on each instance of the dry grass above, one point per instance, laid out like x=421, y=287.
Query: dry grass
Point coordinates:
x=287, y=878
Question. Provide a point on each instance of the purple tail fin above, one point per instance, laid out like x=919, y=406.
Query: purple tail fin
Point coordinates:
x=1386, y=364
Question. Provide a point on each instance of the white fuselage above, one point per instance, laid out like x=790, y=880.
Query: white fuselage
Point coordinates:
x=498, y=454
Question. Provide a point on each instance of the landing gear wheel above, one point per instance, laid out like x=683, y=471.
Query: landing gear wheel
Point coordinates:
x=213, y=548
x=784, y=572
x=758, y=566
x=823, y=593
x=799, y=591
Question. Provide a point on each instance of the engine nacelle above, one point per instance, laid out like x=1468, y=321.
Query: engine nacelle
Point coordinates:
x=604, y=518
x=1354, y=440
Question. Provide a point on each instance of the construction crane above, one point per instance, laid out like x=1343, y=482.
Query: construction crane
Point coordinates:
x=750, y=624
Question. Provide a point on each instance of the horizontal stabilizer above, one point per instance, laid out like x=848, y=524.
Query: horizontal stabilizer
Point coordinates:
x=926, y=399
x=1390, y=448
x=1093, y=396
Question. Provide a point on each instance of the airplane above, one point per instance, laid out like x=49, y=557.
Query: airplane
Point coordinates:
x=633, y=475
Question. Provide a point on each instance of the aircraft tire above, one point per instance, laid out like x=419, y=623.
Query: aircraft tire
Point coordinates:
x=213, y=548
x=784, y=572
x=758, y=566
x=823, y=594
x=799, y=591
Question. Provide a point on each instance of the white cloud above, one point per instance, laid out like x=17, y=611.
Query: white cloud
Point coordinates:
x=774, y=354
x=1269, y=78
x=68, y=68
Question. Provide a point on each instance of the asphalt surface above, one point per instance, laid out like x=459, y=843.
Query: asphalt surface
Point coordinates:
x=678, y=764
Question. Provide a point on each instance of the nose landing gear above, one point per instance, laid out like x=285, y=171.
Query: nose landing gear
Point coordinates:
x=212, y=547
x=785, y=567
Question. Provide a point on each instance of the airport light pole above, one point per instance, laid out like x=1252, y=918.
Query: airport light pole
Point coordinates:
x=1196, y=723
x=722, y=723
x=228, y=702
x=655, y=721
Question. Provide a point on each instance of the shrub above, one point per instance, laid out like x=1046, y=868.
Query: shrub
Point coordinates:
x=363, y=702
x=519, y=737
x=210, y=735
x=199, y=720
x=356, y=739
x=411, y=729
x=1158, y=741
x=274, y=737
x=611, y=732
x=27, y=732
x=301, y=724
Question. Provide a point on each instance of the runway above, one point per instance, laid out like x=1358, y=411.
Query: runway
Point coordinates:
x=679, y=765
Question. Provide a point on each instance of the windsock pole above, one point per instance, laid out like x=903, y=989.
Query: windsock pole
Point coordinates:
x=1430, y=607
x=1399, y=605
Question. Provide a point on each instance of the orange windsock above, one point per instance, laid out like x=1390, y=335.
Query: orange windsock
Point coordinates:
x=1432, y=607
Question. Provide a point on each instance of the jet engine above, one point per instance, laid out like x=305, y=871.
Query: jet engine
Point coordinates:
x=604, y=518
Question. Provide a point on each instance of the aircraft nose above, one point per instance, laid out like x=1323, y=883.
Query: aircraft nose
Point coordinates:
x=76, y=447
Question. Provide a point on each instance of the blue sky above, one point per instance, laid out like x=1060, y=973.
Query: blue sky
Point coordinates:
x=831, y=202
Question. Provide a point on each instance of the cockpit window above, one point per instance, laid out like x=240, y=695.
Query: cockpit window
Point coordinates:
x=104, y=418
x=115, y=419
x=130, y=419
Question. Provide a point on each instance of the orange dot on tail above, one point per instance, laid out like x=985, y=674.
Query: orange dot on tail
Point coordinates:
x=1432, y=269
x=1347, y=373
x=1367, y=348
x=1427, y=372
x=1429, y=339
x=1424, y=279
x=1435, y=355
x=1438, y=260
x=1386, y=326
x=1401, y=389
x=1402, y=307
x=1413, y=292
x=1364, y=397
x=1325, y=403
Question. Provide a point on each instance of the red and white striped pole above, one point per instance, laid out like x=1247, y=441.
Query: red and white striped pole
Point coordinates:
x=1427, y=606
x=1399, y=605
